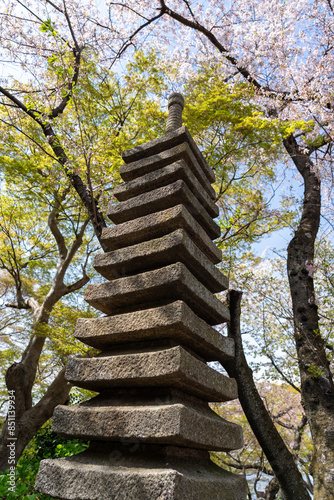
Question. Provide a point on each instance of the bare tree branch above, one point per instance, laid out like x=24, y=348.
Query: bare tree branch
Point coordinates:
x=53, y=225
x=253, y=466
x=29, y=137
x=299, y=433
x=32, y=113
x=61, y=107
x=211, y=37
x=54, y=6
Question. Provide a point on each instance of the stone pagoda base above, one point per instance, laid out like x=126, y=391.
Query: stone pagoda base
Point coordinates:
x=139, y=472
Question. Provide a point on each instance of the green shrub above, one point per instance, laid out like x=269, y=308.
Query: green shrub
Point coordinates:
x=45, y=444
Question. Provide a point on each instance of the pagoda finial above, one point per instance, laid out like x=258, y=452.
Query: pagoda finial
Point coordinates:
x=175, y=107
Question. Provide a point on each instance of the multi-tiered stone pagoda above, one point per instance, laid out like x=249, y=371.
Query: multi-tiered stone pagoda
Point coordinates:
x=150, y=427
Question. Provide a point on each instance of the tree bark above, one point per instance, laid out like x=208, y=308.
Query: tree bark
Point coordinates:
x=317, y=389
x=276, y=451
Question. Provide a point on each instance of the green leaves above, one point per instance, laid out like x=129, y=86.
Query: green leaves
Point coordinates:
x=46, y=444
x=48, y=28
x=244, y=147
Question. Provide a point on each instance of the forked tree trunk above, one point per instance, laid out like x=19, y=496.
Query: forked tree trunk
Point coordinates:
x=28, y=422
x=20, y=377
x=28, y=419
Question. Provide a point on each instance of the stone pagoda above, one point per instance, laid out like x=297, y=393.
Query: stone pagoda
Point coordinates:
x=150, y=426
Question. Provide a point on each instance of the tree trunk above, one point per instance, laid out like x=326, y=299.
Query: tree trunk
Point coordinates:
x=24, y=420
x=276, y=451
x=271, y=489
x=29, y=421
x=316, y=379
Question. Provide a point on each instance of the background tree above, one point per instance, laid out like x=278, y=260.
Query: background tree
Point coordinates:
x=283, y=404
x=28, y=254
x=44, y=250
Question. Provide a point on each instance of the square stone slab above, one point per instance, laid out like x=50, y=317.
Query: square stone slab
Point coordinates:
x=118, y=474
x=167, y=284
x=157, y=225
x=171, y=248
x=163, y=177
x=167, y=157
x=173, y=423
x=174, y=367
x=166, y=141
x=173, y=321
x=160, y=199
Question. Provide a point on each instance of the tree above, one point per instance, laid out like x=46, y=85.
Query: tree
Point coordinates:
x=47, y=221
x=29, y=254
x=92, y=100
x=283, y=404
x=268, y=320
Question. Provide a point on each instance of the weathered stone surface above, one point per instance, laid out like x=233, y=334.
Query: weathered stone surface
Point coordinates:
x=118, y=473
x=161, y=199
x=175, y=321
x=157, y=225
x=175, y=107
x=173, y=367
x=170, y=283
x=177, y=424
x=163, y=177
x=167, y=141
x=181, y=152
x=171, y=248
